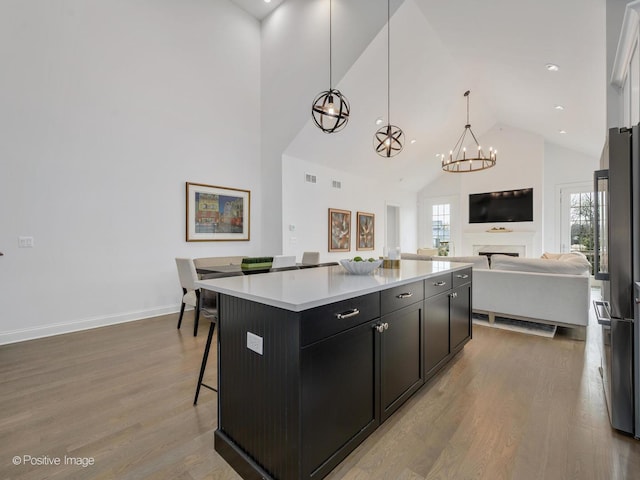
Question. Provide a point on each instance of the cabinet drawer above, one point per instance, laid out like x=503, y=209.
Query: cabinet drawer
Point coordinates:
x=327, y=320
x=437, y=284
x=460, y=277
x=402, y=296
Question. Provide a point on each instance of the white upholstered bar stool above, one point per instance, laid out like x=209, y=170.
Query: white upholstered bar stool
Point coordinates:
x=190, y=293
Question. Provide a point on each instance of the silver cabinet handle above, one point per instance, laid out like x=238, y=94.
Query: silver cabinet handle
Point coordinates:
x=386, y=326
x=638, y=301
x=379, y=328
x=439, y=284
x=348, y=314
x=462, y=276
x=454, y=295
x=405, y=295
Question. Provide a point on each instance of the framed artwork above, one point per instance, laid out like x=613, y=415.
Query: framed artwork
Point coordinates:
x=217, y=213
x=339, y=230
x=366, y=231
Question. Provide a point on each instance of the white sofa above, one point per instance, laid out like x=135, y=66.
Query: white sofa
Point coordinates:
x=553, y=290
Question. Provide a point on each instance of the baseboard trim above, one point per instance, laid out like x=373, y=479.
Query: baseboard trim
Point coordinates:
x=22, y=335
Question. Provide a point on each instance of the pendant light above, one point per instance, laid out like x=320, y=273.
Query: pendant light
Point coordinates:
x=388, y=140
x=330, y=109
x=458, y=160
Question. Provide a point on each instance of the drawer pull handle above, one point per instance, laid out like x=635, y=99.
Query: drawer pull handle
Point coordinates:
x=439, y=284
x=405, y=295
x=348, y=314
x=462, y=276
x=454, y=295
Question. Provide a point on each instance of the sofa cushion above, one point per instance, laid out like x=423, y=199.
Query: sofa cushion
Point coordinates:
x=478, y=261
x=564, y=256
x=571, y=264
x=413, y=256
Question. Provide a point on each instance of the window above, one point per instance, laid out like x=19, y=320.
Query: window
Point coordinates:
x=441, y=227
x=577, y=220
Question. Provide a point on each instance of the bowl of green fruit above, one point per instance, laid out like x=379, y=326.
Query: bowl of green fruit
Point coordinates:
x=359, y=265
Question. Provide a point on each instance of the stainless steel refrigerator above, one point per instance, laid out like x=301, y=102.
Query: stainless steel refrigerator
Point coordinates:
x=617, y=262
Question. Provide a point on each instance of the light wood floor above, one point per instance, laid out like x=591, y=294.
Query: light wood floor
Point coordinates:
x=511, y=406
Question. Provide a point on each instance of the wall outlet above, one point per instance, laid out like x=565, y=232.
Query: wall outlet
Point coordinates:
x=254, y=343
x=25, y=242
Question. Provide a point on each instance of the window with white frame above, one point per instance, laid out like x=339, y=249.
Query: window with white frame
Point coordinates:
x=441, y=225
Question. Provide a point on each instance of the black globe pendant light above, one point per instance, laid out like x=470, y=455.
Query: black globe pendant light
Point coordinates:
x=330, y=109
x=388, y=140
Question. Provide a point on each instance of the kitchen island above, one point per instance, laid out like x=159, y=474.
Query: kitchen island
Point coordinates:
x=311, y=362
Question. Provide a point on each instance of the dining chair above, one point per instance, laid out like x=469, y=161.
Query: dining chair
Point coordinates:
x=280, y=261
x=311, y=258
x=190, y=293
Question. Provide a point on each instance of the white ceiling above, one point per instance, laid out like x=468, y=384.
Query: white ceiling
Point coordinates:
x=258, y=8
x=495, y=48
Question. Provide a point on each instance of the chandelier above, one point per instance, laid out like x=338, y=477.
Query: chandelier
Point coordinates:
x=330, y=109
x=459, y=161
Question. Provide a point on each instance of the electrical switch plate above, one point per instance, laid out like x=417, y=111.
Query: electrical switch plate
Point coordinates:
x=254, y=343
x=25, y=242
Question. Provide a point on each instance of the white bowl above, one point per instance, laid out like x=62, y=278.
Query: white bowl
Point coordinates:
x=360, y=268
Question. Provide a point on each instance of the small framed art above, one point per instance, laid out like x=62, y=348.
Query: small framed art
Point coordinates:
x=217, y=213
x=366, y=231
x=339, y=230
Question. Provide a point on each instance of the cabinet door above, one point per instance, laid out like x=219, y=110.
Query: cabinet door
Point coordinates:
x=436, y=332
x=460, y=316
x=401, y=372
x=339, y=396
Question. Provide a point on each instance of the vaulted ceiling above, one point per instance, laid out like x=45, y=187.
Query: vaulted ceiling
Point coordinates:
x=498, y=49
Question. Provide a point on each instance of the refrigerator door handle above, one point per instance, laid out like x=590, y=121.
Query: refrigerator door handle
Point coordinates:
x=603, y=314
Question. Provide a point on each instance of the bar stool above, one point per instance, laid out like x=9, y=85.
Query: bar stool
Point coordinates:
x=209, y=310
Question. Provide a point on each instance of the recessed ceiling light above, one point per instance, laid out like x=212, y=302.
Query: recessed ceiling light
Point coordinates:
x=267, y=1
x=552, y=67
x=413, y=140
x=562, y=131
x=379, y=121
x=559, y=107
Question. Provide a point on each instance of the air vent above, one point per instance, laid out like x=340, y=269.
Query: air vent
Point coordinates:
x=310, y=178
x=336, y=183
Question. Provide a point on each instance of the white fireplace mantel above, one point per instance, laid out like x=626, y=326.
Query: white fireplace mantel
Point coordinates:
x=523, y=240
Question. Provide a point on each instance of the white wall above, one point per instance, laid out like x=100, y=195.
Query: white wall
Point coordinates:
x=106, y=110
x=563, y=167
x=306, y=206
x=520, y=165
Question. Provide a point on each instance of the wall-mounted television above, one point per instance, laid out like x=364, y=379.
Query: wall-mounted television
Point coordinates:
x=505, y=206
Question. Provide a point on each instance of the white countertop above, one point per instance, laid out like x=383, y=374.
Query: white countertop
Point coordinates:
x=299, y=290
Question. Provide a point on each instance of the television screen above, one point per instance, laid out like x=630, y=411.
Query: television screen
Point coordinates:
x=496, y=207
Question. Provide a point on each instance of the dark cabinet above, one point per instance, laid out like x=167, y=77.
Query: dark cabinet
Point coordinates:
x=447, y=325
x=436, y=332
x=401, y=371
x=339, y=396
x=460, y=316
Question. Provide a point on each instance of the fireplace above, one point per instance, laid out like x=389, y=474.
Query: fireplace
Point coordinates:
x=506, y=243
x=488, y=254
